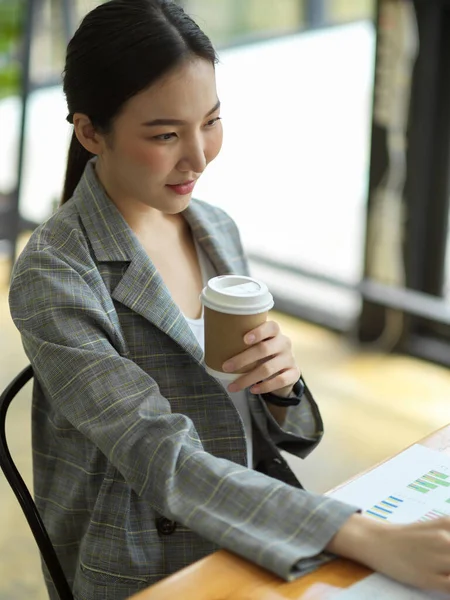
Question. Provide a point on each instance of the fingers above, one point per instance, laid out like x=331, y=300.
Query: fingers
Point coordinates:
x=262, y=332
x=442, y=523
x=438, y=583
x=421, y=556
x=442, y=584
x=283, y=379
x=270, y=357
x=267, y=377
x=260, y=351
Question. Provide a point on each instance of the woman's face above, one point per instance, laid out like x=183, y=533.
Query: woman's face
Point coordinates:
x=163, y=140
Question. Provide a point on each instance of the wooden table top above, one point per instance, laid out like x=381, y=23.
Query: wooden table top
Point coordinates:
x=225, y=576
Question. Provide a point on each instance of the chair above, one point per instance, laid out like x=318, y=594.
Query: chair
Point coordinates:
x=23, y=495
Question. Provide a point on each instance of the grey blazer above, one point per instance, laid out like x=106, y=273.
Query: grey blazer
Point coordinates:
x=139, y=455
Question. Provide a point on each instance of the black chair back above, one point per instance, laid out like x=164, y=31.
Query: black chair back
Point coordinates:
x=23, y=495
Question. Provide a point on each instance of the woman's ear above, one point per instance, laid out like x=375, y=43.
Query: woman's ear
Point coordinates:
x=86, y=134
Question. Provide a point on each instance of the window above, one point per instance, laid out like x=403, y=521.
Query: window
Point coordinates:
x=294, y=166
x=237, y=21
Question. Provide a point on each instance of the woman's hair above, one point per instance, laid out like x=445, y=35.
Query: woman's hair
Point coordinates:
x=121, y=48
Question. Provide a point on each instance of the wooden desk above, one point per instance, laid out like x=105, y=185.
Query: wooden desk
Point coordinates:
x=225, y=576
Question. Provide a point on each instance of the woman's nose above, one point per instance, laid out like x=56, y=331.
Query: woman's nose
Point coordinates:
x=194, y=157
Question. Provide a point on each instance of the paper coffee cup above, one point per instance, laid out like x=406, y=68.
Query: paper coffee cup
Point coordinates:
x=233, y=306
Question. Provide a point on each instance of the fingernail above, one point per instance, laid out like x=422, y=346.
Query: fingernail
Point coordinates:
x=255, y=389
x=228, y=367
x=249, y=339
x=232, y=387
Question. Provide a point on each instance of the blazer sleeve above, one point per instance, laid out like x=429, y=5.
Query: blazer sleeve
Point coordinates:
x=302, y=429
x=70, y=341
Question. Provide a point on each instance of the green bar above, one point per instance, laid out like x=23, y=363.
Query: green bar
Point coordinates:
x=426, y=484
x=440, y=513
x=436, y=481
x=448, y=501
x=437, y=474
x=418, y=488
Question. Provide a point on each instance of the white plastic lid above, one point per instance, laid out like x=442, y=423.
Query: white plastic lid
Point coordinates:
x=237, y=295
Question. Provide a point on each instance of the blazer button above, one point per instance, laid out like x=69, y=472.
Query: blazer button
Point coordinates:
x=282, y=464
x=165, y=526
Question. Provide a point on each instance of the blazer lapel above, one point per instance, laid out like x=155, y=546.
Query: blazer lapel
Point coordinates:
x=141, y=288
x=206, y=236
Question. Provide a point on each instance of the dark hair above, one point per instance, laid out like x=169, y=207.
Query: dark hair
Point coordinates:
x=120, y=49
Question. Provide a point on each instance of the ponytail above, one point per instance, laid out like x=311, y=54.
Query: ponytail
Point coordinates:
x=76, y=162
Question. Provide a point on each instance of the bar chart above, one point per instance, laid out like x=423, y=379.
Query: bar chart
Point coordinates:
x=388, y=508
x=384, y=508
x=412, y=487
x=430, y=481
x=433, y=514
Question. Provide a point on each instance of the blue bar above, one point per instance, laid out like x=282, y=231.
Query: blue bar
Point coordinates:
x=383, y=509
x=396, y=499
x=388, y=503
x=369, y=512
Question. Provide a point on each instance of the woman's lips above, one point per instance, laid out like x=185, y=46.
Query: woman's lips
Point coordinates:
x=182, y=189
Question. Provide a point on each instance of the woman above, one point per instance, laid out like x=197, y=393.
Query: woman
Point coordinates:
x=142, y=461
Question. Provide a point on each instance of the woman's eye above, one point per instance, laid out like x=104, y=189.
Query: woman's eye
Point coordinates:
x=165, y=137
x=213, y=122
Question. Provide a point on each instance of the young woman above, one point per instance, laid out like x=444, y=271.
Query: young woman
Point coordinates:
x=144, y=463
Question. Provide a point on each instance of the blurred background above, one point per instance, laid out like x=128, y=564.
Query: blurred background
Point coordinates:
x=335, y=166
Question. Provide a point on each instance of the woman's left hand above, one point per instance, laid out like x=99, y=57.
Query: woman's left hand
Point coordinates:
x=276, y=370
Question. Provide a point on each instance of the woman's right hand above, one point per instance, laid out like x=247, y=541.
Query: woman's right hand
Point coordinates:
x=417, y=554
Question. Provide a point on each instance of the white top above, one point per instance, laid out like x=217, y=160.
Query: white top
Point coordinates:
x=197, y=326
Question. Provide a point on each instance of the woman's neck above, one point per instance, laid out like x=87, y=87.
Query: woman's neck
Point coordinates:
x=141, y=218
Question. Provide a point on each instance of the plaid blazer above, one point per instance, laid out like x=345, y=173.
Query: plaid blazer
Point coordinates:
x=139, y=455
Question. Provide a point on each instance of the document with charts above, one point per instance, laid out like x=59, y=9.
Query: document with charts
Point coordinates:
x=377, y=586
x=412, y=486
